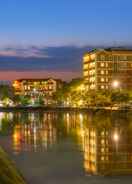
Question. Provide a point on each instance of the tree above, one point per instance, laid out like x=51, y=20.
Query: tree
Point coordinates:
x=120, y=97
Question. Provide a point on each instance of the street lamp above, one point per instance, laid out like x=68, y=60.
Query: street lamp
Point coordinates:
x=116, y=137
x=116, y=140
x=115, y=84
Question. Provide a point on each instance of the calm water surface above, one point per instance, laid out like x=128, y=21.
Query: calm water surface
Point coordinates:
x=69, y=147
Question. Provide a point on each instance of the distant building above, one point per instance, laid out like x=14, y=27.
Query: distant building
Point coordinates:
x=41, y=87
x=105, y=69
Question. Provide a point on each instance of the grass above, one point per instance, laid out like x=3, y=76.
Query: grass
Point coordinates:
x=8, y=172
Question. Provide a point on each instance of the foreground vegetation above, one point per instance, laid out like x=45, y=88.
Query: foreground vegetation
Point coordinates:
x=8, y=172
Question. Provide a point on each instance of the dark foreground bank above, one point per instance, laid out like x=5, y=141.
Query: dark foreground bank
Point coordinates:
x=8, y=172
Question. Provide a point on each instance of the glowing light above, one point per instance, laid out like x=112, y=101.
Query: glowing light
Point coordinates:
x=115, y=84
x=86, y=58
x=93, y=56
x=16, y=84
x=81, y=117
x=116, y=137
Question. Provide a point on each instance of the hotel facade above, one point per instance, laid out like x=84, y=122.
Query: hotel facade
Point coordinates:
x=105, y=69
x=41, y=87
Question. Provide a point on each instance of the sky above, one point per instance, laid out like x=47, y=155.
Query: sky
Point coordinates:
x=47, y=38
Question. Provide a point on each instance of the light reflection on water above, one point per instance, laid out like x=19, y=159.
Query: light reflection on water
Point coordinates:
x=104, y=140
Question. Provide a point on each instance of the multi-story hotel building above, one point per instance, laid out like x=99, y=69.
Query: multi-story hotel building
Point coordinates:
x=42, y=87
x=108, y=68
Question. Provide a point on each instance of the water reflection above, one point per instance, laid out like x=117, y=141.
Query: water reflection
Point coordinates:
x=104, y=140
x=35, y=133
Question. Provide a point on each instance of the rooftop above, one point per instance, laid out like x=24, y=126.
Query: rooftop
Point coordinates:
x=111, y=49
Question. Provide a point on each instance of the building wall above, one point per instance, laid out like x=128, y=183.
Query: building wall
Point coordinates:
x=36, y=86
x=101, y=68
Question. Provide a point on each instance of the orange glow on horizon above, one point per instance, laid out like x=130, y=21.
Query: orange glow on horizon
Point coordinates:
x=14, y=75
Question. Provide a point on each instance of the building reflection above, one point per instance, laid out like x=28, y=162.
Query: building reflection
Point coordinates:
x=104, y=143
x=34, y=135
x=107, y=151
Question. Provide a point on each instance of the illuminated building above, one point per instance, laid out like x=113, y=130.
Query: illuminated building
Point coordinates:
x=37, y=86
x=108, y=68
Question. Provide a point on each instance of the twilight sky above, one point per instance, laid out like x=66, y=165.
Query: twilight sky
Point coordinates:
x=42, y=38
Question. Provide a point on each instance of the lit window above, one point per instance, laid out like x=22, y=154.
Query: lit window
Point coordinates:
x=106, y=65
x=85, y=66
x=107, y=79
x=93, y=56
x=25, y=87
x=86, y=58
x=50, y=87
x=102, y=64
x=102, y=72
x=107, y=87
x=107, y=72
x=85, y=73
x=102, y=158
x=92, y=86
x=102, y=141
x=102, y=79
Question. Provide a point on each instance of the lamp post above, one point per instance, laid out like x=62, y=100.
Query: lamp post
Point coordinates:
x=115, y=84
x=116, y=140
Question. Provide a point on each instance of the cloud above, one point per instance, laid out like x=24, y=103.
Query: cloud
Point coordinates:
x=63, y=61
x=32, y=52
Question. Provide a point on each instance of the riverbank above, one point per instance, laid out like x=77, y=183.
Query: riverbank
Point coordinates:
x=8, y=172
x=63, y=109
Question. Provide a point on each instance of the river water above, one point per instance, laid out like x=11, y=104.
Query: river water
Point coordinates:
x=69, y=147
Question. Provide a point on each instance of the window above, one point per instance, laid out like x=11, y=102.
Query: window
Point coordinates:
x=102, y=64
x=102, y=141
x=123, y=58
x=102, y=79
x=91, y=65
x=102, y=87
x=50, y=87
x=102, y=158
x=106, y=65
x=102, y=57
x=92, y=72
x=107, y=87
x=25, y=87
x=107, y=79
x=85, y=66
x=102, y=72
x=107, y=72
